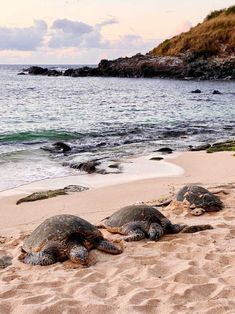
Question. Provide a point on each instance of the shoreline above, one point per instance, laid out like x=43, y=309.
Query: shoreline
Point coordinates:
x=133, y=169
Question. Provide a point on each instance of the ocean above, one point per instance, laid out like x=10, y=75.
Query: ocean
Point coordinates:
x=103, y=118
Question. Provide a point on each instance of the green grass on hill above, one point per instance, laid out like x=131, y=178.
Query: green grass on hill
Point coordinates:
x=214, y=36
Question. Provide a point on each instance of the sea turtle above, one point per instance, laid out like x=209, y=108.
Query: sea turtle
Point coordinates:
x=64, y=237
x=198, y=199
x=137, y=222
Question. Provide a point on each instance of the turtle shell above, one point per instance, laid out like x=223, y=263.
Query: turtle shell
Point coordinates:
x=134, y=213
x=58, y=229
x=200, y=197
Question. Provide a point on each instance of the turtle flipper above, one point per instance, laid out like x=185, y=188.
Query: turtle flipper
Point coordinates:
x=133, y=231
x=49, y=255
x=108, y=247
x=135, y=235
x=176, y=228
x=78, y=254
x=41, y=258
x=196, y=228
x=155, y=231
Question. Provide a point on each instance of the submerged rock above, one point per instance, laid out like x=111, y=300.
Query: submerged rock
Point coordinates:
x=196, y=91
x=58, y=147
x=88, y=166
x=216, y=92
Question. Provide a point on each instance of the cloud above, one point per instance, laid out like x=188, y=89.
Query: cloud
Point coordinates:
x=67, y=33
x=23, y=39
x=67, y=41
x=71, y=27
x=131, y=40
x=107, y=22
x=183, y=27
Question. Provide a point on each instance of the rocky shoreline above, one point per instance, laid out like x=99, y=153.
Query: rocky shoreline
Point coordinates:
x=186, y=66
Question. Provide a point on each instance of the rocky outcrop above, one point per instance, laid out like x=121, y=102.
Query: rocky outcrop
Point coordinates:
x=36, y=70
x=180, y=67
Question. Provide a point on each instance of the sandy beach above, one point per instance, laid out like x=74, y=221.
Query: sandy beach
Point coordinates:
x=183, y=273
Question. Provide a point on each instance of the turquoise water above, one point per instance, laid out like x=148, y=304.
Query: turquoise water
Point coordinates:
x=102, y=118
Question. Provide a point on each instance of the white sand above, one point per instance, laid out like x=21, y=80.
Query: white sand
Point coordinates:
x=184, y=273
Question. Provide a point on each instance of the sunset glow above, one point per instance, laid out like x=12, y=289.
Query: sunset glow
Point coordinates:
x=84, y=31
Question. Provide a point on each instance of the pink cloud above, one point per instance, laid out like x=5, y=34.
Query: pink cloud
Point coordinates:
x=183, y=27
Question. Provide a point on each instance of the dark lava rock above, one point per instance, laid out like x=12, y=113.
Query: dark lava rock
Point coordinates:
x=200, y=147
x=165, y=150
x=35, y=70
x=58, y=147
x=157, y=158
x=216, y=92
x=183, y=66
x=89, y=166
x=114, y=166
x=196, y=91
x=54, y=73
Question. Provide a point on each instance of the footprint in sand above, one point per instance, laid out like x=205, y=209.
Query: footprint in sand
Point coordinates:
x=39, y=299
x=139, y=296
x=195, y=293
x=218, y=257
x=185, y=277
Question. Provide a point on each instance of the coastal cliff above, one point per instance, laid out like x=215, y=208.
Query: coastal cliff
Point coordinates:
x=206, y=52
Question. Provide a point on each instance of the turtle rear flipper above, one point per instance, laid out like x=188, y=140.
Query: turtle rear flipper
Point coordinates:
x=196, y=228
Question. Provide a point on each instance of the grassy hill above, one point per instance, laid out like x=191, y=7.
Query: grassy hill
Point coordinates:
x=215, y=36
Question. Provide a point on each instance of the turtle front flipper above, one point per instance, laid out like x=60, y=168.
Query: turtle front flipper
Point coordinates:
x=107, y=246
x=135, y=235
x=155, y=231
x=45, y=257
x=78, y=254
x=133, y=232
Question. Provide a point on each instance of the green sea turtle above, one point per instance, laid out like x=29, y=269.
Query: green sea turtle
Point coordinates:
x=64, y=237
x=137, y=222
x=198, y=199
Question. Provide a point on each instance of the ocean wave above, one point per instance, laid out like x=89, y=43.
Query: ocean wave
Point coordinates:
x=38, y=136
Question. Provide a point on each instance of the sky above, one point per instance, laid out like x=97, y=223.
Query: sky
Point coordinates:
x=86, y=31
